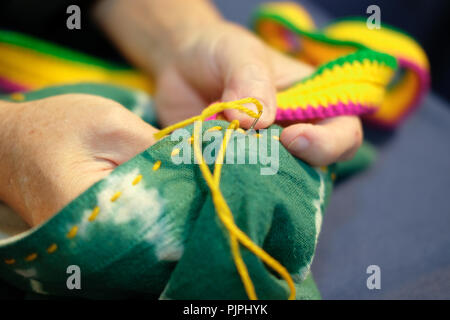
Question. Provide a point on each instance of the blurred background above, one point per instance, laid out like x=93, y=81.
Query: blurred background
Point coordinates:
x=427, y=21
x=395, y=214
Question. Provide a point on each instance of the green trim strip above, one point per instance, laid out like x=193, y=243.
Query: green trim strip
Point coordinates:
x=41, y=46
x=318, y=36
x=360, y=56
x=362, y=51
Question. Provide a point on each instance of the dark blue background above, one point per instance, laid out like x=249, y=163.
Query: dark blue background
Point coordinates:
x=394, y=215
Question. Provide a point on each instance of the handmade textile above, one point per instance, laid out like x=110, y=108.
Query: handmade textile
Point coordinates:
x=27, y=63
x=149, y=228
x=153, y=228
x=355, y=77
x=288, y=27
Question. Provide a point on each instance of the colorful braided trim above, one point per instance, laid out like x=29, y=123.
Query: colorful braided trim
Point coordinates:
x=289, y=28
x=351, y=85
x=27, y=63
x=354, y=84
x=355, y=74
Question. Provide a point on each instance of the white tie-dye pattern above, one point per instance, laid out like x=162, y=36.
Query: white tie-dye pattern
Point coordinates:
x=134, y=202
x=26, y=273
x=137, y=202
x=30, y=273
x=36, y=286
x=317, y=204
x=168, y=247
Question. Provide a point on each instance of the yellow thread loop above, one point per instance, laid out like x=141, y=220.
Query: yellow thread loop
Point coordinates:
x=216, y=128
x=116, y=196
x=324, y=169
x=10, y=261
x=175, y=152
x=52, y=248
x=72, y=233
x=94, y=214
x=31, y=257
x=212, y=110
x=137, y=180
x=224, y=213
x=157, y=165
x=17, y=96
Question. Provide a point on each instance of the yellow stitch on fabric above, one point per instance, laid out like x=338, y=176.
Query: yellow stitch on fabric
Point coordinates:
x=175, y=152
x=191, y=140
x=72, y=233
x=17, y=96
x=258, y=135
x=333, y=176
x=94, y=214
x=240, y=130
x=10, y=261
x=31, y=257
x=276, y=137
x=116, y=196
x=324, y=169
x=157, y=165
x=216, y=128
x=237, y=236
x=52, y=248
x=137, y=180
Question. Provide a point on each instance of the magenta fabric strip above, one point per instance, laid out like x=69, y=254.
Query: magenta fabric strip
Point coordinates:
x=213, y=117
x=424, y=77
x=9, y=87
x=322, y=112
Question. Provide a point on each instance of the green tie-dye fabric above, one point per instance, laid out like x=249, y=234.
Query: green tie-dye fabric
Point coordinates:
x=161, y=238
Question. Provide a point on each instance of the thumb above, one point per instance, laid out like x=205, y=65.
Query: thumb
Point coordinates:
x=248, y=74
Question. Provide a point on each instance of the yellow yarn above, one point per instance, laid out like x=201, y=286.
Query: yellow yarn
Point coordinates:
x=224, y=213
x=36, y=70
x=357, y=82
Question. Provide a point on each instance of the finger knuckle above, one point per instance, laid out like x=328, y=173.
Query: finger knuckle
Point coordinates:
x=330, y=151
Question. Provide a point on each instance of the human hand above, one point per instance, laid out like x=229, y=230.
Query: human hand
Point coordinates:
x=198, y=58
x=225, y=62
x=53, y=149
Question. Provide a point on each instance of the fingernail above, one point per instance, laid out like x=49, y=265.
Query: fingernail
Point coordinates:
x=299, y=144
